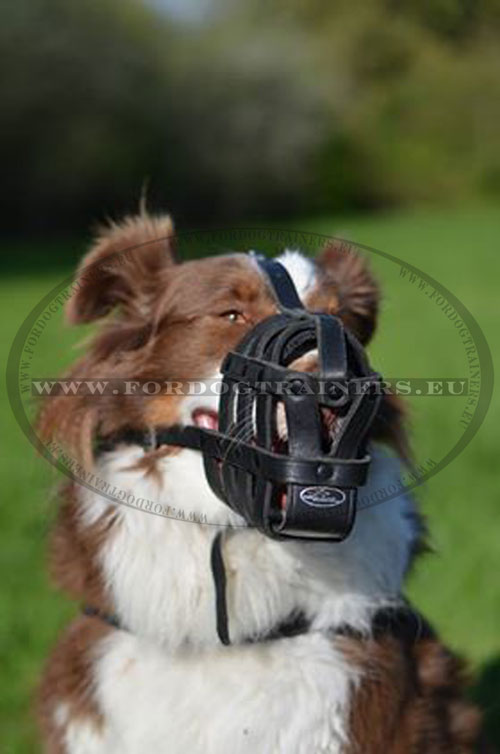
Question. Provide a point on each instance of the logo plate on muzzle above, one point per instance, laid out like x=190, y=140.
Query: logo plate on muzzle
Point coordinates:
x=322, y=497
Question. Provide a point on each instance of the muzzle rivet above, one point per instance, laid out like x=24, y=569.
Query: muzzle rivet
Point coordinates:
x=323, y=472
x=296, y=386
x=335, y=392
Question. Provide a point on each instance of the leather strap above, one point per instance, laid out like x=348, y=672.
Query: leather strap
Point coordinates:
x=219, y=578
x=400, y=622
x=279, y=468
x=284, y=288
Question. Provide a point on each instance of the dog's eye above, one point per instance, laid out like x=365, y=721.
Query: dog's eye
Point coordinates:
x=233, y=315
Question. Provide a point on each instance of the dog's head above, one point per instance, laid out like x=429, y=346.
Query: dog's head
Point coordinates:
x=168, y=321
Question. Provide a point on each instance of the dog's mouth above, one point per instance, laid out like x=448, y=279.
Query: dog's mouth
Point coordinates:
x=207, y=418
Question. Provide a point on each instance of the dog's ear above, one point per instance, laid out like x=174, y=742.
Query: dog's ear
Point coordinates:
x=124, y=268
x=346, y=280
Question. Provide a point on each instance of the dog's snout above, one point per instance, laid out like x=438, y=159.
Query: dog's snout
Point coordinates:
x=307, y=363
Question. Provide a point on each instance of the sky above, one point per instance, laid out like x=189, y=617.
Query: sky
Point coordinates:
x=191, y=11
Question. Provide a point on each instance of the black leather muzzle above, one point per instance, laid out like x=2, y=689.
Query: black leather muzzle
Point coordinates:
x=290, y=450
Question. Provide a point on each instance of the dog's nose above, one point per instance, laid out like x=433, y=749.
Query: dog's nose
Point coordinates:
x=306, y=363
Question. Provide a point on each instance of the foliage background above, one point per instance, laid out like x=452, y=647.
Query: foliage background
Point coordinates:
x=379, y=117
x=254, y=108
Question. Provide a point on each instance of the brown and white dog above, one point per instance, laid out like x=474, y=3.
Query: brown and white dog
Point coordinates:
x=159, y=681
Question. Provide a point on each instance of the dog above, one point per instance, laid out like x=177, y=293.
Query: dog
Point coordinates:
x=142, y=668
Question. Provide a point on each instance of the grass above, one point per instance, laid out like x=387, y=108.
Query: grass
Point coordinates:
x=456, y=586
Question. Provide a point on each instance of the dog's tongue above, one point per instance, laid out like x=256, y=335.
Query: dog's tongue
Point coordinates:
x=205, y=418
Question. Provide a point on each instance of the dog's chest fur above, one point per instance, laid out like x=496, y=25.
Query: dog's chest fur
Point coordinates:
x=286, y=696
x=166, y=684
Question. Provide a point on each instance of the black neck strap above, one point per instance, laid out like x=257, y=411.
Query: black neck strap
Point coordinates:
x=219, y=579
x=294, y=625
x=399, y=621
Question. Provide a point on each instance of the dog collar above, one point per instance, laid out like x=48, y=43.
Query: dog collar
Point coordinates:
x=399, y=622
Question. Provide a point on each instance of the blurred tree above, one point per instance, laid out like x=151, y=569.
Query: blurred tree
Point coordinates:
x=85, y=107
x=414, y=95
x=253, y=118
x=258, y=109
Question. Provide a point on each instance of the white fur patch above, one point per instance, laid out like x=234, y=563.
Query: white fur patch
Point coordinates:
x=301, y=270
x=80, y=736
x=168, y=686
x=61, y=714
x=157, y=568
x=290, y=696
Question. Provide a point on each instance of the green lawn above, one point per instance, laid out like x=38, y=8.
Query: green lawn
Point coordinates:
x=456, y=586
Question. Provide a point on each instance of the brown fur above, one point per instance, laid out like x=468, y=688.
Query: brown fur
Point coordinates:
x=123, y=268
x=75, y=550
x=68, y=680
x=163, y=321
x=149, y=462
x=181, y=335
x=410, y=699
x=347, y=288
